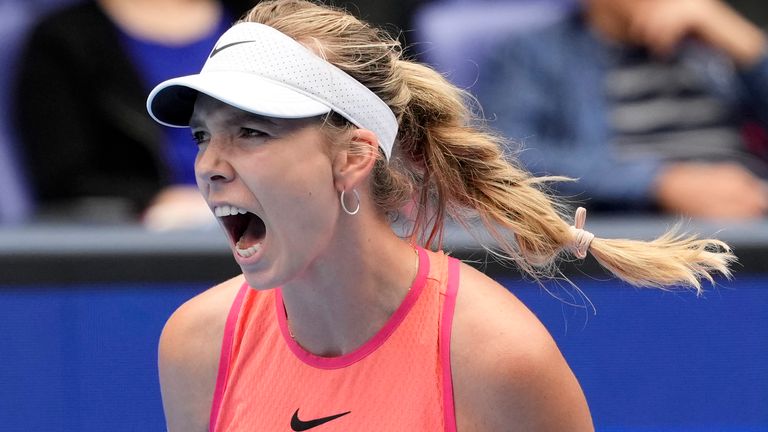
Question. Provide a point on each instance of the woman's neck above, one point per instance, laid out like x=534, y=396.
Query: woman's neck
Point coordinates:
x=344, y=299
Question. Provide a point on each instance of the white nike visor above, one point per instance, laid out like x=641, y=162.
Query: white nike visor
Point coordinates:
x=258, y=69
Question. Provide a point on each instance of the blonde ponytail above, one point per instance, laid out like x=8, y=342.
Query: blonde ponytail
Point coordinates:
x=470, y=172
x=457, y=168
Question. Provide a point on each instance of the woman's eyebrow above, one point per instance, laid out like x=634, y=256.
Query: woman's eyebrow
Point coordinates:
x=197, y=122
x=246, y=116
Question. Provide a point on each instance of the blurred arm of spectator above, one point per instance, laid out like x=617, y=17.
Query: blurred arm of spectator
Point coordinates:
x=662, y=25
x=178, y=207
x=721, y=190
x=547, y=89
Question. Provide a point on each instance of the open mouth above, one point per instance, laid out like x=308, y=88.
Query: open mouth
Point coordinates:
x=246, y=230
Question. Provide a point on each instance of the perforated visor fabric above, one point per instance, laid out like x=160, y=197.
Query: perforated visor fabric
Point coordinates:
x=261, y=70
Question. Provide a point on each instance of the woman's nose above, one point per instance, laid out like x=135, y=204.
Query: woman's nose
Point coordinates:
x=212, y=165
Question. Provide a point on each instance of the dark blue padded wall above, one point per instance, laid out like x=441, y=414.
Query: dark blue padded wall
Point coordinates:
x=83, y=358
x=655, y=361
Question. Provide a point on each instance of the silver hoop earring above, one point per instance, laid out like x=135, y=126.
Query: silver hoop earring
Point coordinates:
x=344, y=206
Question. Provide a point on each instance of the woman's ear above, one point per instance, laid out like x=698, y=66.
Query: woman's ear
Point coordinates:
x=353, y=164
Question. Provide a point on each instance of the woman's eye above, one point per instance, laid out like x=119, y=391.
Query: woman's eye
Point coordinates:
x=199, y=137
x=252, y=133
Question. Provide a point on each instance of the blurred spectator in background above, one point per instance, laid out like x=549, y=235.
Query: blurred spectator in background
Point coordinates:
x=651, y=104
x=16, y=16
x=93, y=152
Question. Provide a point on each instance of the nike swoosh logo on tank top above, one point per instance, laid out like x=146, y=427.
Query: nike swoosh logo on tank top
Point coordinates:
x=300, y=425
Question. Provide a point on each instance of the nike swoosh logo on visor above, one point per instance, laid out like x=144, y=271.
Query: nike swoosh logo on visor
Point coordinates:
x=223, y=47
x=301, y=425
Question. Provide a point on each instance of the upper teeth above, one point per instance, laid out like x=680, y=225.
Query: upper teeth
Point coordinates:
x=228, y=210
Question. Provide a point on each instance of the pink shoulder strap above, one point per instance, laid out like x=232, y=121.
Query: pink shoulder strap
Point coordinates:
x=226, y=353
x=449, y=306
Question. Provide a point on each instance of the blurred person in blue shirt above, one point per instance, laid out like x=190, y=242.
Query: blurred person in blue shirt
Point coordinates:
x=92, y=152
x=650, y=104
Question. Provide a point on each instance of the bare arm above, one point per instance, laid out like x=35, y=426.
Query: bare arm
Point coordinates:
x=687, y=188
x=661, y=25
x=189, y=355
x=508, y=373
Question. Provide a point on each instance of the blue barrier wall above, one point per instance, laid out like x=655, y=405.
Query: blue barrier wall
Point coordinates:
x=83, y=357
x=655, y=361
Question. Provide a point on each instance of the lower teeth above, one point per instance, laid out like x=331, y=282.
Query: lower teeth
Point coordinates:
x=245, y=253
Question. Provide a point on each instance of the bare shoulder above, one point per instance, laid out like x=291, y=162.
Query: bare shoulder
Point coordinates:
x=189, y=355
x=508, y=372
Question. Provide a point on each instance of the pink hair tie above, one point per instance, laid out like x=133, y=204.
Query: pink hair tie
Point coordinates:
x=581, y=238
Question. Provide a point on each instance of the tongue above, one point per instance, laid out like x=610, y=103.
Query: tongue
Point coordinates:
x=253, y=234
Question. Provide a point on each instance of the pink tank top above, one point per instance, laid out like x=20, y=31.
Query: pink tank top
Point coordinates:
x=400, y=380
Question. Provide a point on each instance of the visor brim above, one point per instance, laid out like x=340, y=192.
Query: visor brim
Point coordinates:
x=172, y=102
